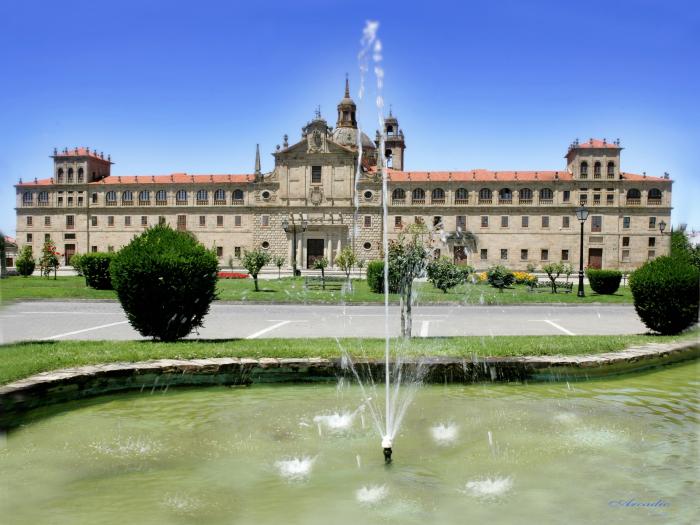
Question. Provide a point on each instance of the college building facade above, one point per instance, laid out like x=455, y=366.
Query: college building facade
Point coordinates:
x=317, y=200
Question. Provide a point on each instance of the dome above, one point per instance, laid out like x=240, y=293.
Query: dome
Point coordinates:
x=348, y=137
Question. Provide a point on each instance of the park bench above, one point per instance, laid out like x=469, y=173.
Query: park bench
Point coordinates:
x=547, y=287
x=316, y=283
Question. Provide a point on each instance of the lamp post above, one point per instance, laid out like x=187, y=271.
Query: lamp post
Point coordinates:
x=581, y=215
x=662, y=229
x=293, y=228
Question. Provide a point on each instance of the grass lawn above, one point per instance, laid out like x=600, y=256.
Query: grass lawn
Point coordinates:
x=292, y=290
x=24, y=359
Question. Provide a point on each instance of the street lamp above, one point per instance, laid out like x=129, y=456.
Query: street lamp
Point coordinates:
x=292, y=228
x=662, y=227
x=581, y=215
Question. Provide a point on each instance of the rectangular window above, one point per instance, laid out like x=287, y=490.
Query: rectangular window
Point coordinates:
x=60, y=201
x=236, y=220
x=625, y=256
x=583, y=199
x=565, y=255
x=566, y=221
x=652, y=222
x=545, y=221
x=525, y=221
x=418, y=219
x=523, y=255
x=504, y=254
x=504, y=221
x=47, y=220
x=70, y=201
x=94, y=200
x=93, y=220
x=30, y=237
x=625, y=241
x=652, y=242
x=625, y=222
x=161, y=220
x=651, y=254
x=182, y=222
x=220, y=221
x=397, y=222
x=127, y=220
x=110, y=220
x=437, y=220
x=484, y=221
x=368, y=221
x=596, y=199
x=461, y=222
x=144, y=220
x=70, y=222
x=610, y=198
x=596, y=223
x=484, y=254
x=544, y=255
x=80, y=201
x=315, y=174
x=219, y=251
x=202, y=220
x=566, y=195
x=30, y=221
x=237, y=252
x=69, y=236
x=93, y=249
x=264, y=220
x=47, y=237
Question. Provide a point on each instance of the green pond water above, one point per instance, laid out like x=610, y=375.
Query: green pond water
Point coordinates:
x=589, y=452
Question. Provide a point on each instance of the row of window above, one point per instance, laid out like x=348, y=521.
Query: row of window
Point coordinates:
x=69, y=175
x=597, y=170
x=161, y=196
x=524, y=254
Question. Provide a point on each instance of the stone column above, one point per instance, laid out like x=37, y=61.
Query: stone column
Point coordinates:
x=329, y=248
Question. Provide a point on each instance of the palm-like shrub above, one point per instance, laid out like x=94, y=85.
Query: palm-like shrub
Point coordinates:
x=665, y=293
x=604, y=282
x=165, y=281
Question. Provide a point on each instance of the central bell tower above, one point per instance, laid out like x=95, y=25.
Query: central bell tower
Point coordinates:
x=347, y=109
x=394, y=143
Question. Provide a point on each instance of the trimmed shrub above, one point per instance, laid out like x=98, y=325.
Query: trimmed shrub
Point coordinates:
x=375, y=277
x=444, y=274
x=665, y=292
x=76, y=262
x=500, y=277
x=254, y=261
x=25, y=262
x=604, y=282
x=165, y=281
x=95, y=268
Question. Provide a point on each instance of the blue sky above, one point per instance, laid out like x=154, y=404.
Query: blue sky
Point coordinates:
x=193, y=86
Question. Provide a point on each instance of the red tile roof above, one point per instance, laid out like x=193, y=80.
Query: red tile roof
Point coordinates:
x=81, y=152
x=481, y=175
x=597, y=143
x=174, y=178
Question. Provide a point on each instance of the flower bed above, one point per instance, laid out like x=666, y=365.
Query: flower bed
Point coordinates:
x=233, y=275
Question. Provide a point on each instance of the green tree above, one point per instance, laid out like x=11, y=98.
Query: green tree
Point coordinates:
x=321, y=264
x=444, y=274
x=49, y=261
x=279, y=261
x=567, y=270
x=346, y=260
x=253, y=261
x=681, y=247
x=3, y=260
x=553, y=271
x=360, y=265
x=500, y=277
x=407, y=260
x=25, y=262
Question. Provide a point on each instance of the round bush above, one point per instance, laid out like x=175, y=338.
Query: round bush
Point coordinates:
x=25, y=262
x=604, y=282
x=500, y=277
x=165, y=281
x=375, y=277
x=95, y=268
x=444, y=274
x=665, y=293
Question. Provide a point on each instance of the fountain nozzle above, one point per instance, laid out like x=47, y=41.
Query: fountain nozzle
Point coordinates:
x=386, y=446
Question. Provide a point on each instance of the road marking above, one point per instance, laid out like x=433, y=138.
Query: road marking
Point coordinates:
x=268, y=329
x=73, y=313
x=555, y=325
x=424, y=327
x=82, y=331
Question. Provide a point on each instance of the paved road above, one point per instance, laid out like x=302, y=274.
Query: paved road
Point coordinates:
x=105, y=320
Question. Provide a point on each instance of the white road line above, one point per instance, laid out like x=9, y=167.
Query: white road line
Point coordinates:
x=73, y=313
x=555, y=325
x=82, y=331
x=424, y=327
x=268, y=329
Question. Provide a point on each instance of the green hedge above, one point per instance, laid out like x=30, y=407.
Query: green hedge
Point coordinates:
x=375, y=277
x=95, y=268
x=665, y=293
x=604, y=282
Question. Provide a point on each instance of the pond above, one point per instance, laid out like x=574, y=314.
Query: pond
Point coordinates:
x=621, y=450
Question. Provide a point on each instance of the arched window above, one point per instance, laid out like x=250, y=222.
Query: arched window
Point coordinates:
x=43, y=197
x=27, y=198
x=634, y=193
x=81, y=174
x=70, y=174
x=398, y=195
x=144, y=196
x=161, y=197
x=525, y=195
x=202, y=196
x=181, y=196
x=505, y=195
x=389, y=158
x=484, y=194
x=596, y=170
x=418, y=195
x=438, y=195
x=655, y=194
x=546, y=194
x=219, y=196
x=127, y=197
x=461, y=196
x=111, y=198
x=237, y=196
x=611, y=170
x=584, y=169
x=59, y=175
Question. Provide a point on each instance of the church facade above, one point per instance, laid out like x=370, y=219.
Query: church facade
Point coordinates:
x=325, y=193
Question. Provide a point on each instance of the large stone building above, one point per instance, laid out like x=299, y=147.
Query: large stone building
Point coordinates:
x=317, y=196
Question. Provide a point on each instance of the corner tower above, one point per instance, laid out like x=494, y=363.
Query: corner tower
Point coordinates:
x=394, y=143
